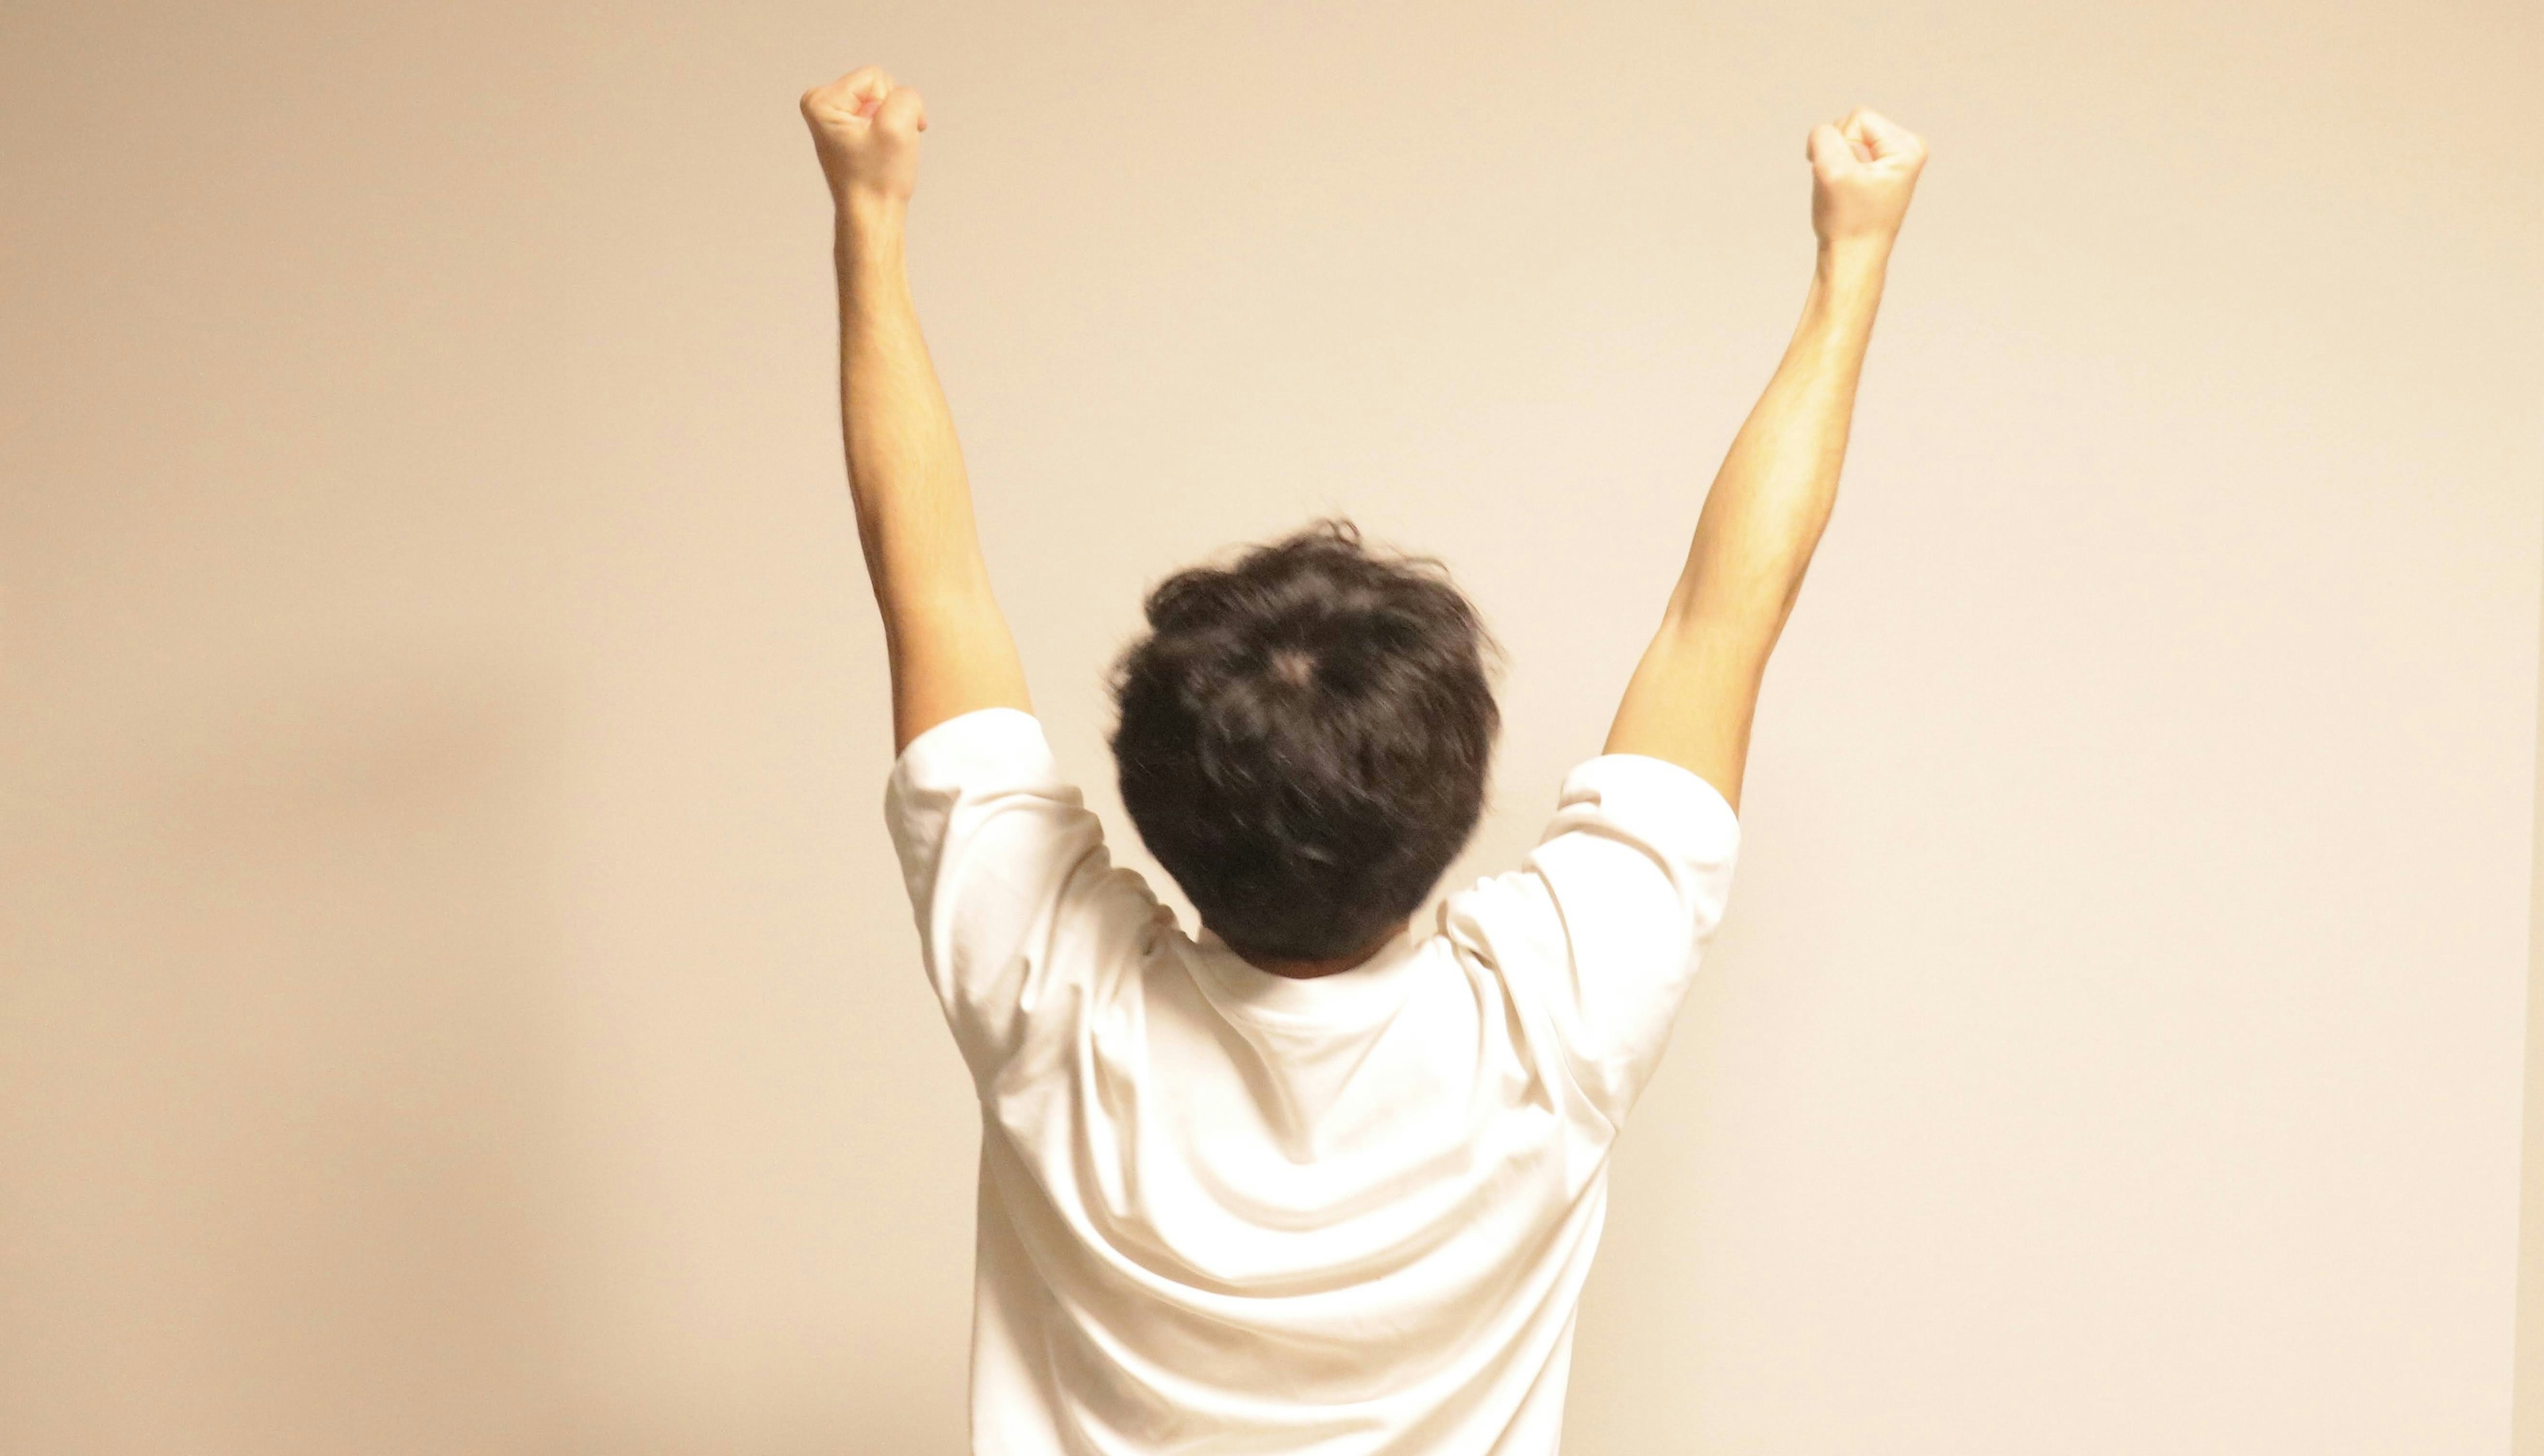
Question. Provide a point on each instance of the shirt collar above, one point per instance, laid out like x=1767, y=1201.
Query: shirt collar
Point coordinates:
x=1365, y=992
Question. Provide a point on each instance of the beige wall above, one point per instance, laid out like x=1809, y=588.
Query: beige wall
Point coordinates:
x=2528, y=1415
x=456, y=996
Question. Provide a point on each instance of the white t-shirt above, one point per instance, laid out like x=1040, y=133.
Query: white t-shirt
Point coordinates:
x=1225, y=1211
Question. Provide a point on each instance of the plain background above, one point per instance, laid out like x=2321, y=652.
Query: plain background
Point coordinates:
x=457, y=996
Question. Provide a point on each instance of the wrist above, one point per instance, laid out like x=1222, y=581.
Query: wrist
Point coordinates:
x=1852, y=260
x=1846, y=279
x=863, y=221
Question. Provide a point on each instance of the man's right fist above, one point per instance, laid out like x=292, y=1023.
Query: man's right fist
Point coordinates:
x=867, y=130
x=1862, y=172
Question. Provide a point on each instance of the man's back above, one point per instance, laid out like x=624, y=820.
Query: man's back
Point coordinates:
x=1226, y=1210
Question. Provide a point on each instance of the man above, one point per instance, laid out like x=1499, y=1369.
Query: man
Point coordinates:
x=1316, y=1178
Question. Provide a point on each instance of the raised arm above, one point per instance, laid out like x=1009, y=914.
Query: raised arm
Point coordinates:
x=951, y=650
x=1694, y=693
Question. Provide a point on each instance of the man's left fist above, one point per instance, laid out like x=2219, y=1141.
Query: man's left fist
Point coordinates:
x=867, y=130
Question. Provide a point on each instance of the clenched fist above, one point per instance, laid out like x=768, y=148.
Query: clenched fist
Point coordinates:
x=867, y=130
x=1862, y=171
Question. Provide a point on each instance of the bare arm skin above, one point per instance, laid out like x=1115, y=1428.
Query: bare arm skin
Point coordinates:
x=950, y=648
x=1694, y=692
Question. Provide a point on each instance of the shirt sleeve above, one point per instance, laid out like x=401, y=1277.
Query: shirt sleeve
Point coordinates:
x=1019, y=907
x=1601, y=929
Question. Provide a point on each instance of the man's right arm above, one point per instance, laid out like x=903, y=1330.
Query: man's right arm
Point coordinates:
x=1694, y=692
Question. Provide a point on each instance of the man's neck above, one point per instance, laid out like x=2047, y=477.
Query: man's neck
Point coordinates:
x=1309, y=970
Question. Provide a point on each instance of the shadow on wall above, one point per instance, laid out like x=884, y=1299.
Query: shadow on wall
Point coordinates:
x=285, y=1183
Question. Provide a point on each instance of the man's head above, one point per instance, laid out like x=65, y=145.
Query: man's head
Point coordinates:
x=1304, y=739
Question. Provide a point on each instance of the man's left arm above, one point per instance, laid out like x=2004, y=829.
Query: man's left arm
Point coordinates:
x=950, y=648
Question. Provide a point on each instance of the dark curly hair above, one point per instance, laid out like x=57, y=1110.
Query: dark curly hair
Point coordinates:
x=1304, y=739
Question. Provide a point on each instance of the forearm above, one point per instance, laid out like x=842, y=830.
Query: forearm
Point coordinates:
x=1770, y=502
x=913, y=503
x=950, y=648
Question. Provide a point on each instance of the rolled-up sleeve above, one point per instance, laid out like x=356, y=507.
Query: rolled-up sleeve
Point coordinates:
x=1602, y=928
x=1010, y=881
